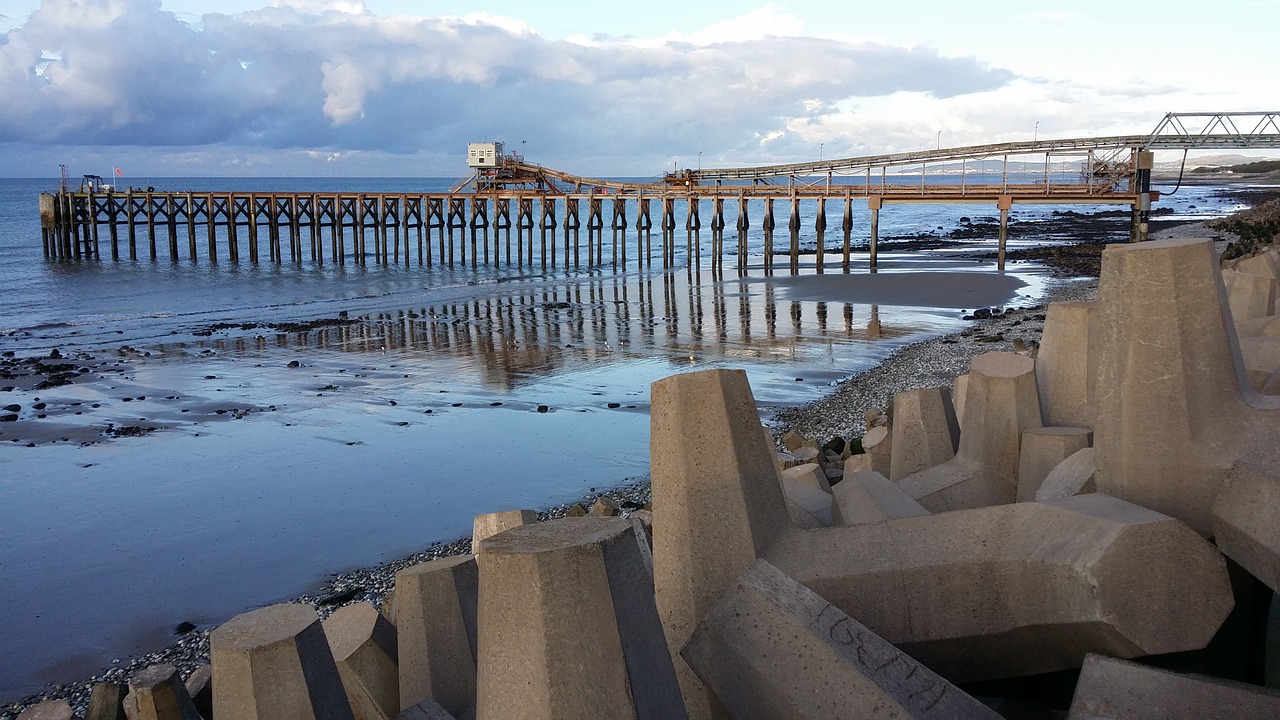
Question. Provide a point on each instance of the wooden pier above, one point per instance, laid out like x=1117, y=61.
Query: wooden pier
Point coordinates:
x=502, y=227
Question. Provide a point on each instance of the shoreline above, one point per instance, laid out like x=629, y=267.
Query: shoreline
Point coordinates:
x=926, y=363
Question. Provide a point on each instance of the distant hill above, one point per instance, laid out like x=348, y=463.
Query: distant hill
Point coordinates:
x=1248, y=168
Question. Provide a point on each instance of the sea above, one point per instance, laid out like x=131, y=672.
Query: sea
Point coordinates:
x=292, y=421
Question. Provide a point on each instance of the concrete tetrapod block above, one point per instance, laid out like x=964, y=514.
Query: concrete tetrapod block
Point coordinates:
x=959, y=389
x=716, y=500
x=772, y=648
x=810, y=474
x=1244, y=521
x=568, y=625
x=1261, y=356
x=1249, y=296
x=866, y=497
x=1115, y=578
x=1042, y=450
x=1072, y=476
x=158, y=693
x=486, y=525
x=1002, y=402
x=274, y=662
x=1259, y=327
x=106, y=701
x=363, y=643
x=425, y=710
x=1064, y=375
x=48, y=710
x=925, y=431
x=867, y=462
x=1111, y=689
x=878, y=440
x=1262, y=265
x=808, y=506
x=199, y=686
x=1174, y=411
x=436, y=633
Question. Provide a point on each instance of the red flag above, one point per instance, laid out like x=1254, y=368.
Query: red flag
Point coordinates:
x=118, y=172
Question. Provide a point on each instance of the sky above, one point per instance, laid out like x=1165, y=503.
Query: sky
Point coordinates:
x=352, y=88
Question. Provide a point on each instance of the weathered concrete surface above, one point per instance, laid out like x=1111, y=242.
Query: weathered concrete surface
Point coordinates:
x=925, y=431
x=1245, y=523
x=48, y=710
x=867, y=497
x=568, y=625
x=1042, y=450
x=364, y=648
x=106, y=701
x=1064, y=375
x=867, y=462
x=1261, y=356
x=1111, y=689
x=275, y=663
x=1263, y=265
x=1002, y=402
x=425, y=710
x=199, y=686
x=772, y=648
x=1259, y=327
x=1174, y=410
x=1249, y=296
x=436, y=633
x=1072, y=476
x=959, y=390
x=808, y=506
x=486, y=525
x=157, y=693
x=1029, y=587
x=717, y=503
x=810, y=474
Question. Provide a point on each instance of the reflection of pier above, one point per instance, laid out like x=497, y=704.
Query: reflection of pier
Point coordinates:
x=549, y=210
x=523, y=336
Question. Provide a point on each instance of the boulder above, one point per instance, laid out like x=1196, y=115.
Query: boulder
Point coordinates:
x=48, y=710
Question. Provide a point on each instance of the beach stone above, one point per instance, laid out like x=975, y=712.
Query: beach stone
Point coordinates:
x=425, y=710
x=487, y=525
x=784, y=460
x=925, y=431
x=1111, y=689
x=751, y=645
x=1261, y=357
x=1174, y=412
x=364, y=649
x=106, y=701
x=1064, y=376
x=645, y=518
x=48, y=710
x=959, y=388
x=867, y=497
x=878, y=440
x=603, y=507
x=866, y=462
x=1073, y=476
x=1249, y=296
x=157, y=693
x=716, y=497
x=576, y=510
x=436, y=633
x=272, y=663
x=1002, y=402
x=1042, y=450
x=199, y=686
x=875, y=417
x=534, y=662
x=1083, y=574
x=809, y=474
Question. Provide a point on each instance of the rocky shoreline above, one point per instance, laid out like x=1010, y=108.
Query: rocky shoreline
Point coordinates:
x=928, y=363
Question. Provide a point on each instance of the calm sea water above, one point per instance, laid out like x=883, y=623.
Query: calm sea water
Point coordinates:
x=105, y=547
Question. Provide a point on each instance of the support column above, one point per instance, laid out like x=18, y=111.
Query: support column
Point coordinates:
x=873, y=204
x=1142, y=162
x=1004, y=203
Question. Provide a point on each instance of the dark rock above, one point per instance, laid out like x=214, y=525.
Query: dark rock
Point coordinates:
x=982, y=313
x=576, y=510
x=614, y=405
x=183, y=628
x=8, y=418
x=543, y=409
x=294, y=364
x=55, y=355
x=339, y=597
x=12, y=408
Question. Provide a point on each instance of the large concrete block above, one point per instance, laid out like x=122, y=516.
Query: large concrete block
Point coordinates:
x=1262, y=265
x=716, y=501
x=867, y=462
x=158, y=693
x=426, y=710
x=1111, y=689
x=867, y=497
x=878, y=440
x=959, y=390
x=1249, y=296
x=106, y=702
x=1174, y=411
x=200, y=687
x=1261, y=356
x=486, y=525
x=810, y=474
x=925, y=431
x=1002, y=402
x=1072, y=476
x=363, y=643
x=436, y=633
x=1259, y=327
x=1029, y=587
x=1042, y=450
x=772, y=648
x=808, y=506
x=48, y=710
x=568, y=625
x=1244, y=521
x=275, y=663
x=1064, y=375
